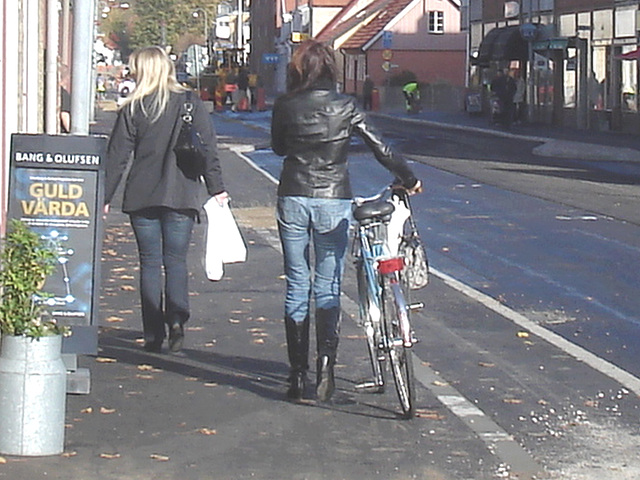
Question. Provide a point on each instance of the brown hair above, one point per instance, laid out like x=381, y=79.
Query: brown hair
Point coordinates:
x=311, y=61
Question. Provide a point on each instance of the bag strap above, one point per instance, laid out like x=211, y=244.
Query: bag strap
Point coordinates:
x=412, y=222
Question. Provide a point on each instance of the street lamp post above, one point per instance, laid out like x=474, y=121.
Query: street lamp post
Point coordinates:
x=196, y=14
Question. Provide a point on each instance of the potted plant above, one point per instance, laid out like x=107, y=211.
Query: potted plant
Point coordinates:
x=32, y=373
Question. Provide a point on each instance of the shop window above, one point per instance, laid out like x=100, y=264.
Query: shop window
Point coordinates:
x=629, y=85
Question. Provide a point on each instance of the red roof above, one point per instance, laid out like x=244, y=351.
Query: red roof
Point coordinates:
x=349, y=18
x=379, y=21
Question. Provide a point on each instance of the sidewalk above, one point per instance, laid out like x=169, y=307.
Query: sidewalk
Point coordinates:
x=555, y=142
x=559, y=142
x=217, y=410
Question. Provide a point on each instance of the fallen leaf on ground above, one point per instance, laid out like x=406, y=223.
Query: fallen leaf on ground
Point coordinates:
x=486, y=364
x=68, y=454
x=211, y=384
x=258, y=341
x=247, y=300
x=233, y=320
x=207, y=431
x=106, y=360
x=106, y=410
x=110, y=456
x=144, y=376
x=513, y=401
x=430, y=414
x=210, y=344
x=128, y=288
x=145, y=367
x=115, y=319
x=87, y=410
x=191, y=379
x=3, y=460
x=194, y=329
x=157, y=456
x=438, y=383
x=523, y=334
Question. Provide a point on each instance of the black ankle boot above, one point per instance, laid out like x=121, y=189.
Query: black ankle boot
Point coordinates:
x=327, y=337
x=298, y=351
x=176, y=337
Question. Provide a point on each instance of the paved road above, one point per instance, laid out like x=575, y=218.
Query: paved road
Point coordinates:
x=496, y=400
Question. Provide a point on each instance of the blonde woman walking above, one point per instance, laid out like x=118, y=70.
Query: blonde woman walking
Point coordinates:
x=161, y=200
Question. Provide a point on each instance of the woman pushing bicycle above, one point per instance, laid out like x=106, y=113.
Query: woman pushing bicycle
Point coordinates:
x=311, y=127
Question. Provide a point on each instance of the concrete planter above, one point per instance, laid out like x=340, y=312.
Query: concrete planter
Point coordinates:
x=32, y=396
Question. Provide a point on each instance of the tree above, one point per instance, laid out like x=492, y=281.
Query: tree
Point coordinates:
x=164, y=22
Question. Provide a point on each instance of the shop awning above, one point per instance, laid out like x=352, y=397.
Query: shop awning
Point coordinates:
x=632, y=55
x=501, y=44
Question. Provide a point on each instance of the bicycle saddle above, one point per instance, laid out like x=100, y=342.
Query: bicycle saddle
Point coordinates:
x=371, y=210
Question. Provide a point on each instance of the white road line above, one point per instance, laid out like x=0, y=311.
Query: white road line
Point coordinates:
x=616, y=373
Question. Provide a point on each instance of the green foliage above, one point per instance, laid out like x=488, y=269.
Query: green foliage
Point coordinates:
x=164, y=22
x=402, y=78
x=25, y=263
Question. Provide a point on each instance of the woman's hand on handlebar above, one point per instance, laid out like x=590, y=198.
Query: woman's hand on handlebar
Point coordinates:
x=417, y=188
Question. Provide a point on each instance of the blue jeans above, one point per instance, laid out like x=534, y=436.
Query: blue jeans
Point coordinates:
x=302, y=220
x=163, y=237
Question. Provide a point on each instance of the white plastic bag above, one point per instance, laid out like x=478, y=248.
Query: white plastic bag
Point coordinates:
x=223, y=240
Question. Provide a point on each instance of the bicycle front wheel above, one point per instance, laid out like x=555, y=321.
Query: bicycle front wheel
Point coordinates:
x=400, y=358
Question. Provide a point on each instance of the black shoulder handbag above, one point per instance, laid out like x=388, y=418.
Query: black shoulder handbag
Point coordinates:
x=416, y=270
x=189, y=149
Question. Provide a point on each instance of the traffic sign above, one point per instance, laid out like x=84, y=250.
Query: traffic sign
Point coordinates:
x=270, y=58
x=387, y=39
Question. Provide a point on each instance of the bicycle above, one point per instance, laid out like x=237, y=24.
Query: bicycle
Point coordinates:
x=383, y=296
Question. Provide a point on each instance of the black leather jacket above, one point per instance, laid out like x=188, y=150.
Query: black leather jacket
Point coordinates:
x=313, y=130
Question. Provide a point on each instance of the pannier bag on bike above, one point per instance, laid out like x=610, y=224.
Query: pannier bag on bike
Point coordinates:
x=416, y=269
x=190, y=152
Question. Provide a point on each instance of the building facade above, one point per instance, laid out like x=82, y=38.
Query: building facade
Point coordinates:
x=579, y=58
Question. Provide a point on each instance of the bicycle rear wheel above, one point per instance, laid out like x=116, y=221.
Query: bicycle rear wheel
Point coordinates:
x=400, y=358
x=368, y=311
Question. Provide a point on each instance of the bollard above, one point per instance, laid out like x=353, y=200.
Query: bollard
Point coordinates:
x=261, y=102
x=375, y=100
x=218, y=100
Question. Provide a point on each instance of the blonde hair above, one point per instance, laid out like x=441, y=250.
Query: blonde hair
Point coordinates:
x=155, y=76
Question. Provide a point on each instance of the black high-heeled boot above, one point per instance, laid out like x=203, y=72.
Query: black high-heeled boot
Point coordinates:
x=298, y=350
x=176, y=337
x=327, y=337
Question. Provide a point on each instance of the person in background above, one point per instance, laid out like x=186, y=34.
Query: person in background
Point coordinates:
x=241, y=97
x=411, y=91
x=367, y=93
x=65, y=100
x=504, y=87
x=161, y=200
x=518, y=97
x=311, y=127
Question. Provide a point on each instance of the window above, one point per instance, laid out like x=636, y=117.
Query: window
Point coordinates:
x=436, y=22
